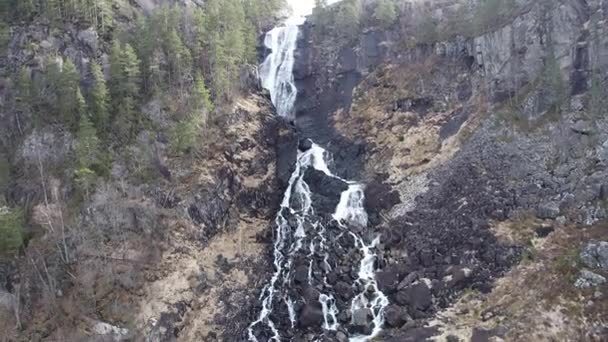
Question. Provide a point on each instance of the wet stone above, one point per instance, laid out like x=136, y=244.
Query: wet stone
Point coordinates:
x=362, y=321
x=395, y=316
x=417, y=297
x=311, y=315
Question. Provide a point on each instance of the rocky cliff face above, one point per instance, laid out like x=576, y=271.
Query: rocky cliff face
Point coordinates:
x=484, y=165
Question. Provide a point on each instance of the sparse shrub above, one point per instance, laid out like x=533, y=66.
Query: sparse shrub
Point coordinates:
x=11, y=230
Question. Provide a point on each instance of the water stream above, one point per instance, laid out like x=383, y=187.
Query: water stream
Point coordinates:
x=301, y=233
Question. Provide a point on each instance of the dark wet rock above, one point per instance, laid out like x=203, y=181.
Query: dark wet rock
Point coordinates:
x=481, y=335
x=417, y=296
x=286, y=147
x=595, y=255
x=362, y=321
x=311, y=315
x=326, y=190
x=452, y=338
x=544, y=231
x=379, y=196
x=344, y=290
x=305, y=145
x=301, y=274
x=548, y=210
x=395, y=316
x=387, y=281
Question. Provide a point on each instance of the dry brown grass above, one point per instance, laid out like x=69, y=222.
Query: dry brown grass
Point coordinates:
x=537, y=300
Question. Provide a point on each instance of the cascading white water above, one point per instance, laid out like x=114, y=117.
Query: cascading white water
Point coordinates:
x=277, y=70
x=301, y=209
x=297, y=213
x=350, y=211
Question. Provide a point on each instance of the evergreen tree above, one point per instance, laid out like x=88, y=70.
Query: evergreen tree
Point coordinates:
x=202, y=99
x=180, y=65
x=385, y=13
x=67, y=94
x=348, y=18
x=87, y=143
x=99, y=100
x=184, y=135
x=125, y=70
x=85, y=180
x=116, y=72
x=131, y=72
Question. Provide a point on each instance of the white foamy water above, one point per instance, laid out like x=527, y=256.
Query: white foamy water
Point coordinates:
x=276, y=72
x=297, y=211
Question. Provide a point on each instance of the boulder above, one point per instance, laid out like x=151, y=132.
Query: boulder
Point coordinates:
x=548, y=210
x=395, y=316
x=582, y=127
x=595, y=255
x=589, y=279
x=305, y=145
x=311, y=315
x=543, y=231
x=301, y=274
x=362, y=321
x=88, y=37
x=417, y=296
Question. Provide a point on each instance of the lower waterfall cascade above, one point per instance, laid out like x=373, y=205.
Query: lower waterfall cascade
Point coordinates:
x=307, y=246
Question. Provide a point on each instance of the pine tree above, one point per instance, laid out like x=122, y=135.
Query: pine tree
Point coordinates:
x=85, y=180
x=202, y=99
x=348, y=18
x=87, y=143
x=180, y=63
x=100, y=101
x=385, y=13
x=124, y=89
x=131, y=71
x=67, y=94
x=116, y=73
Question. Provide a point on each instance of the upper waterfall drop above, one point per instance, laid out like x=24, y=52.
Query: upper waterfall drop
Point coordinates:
x=276, y=72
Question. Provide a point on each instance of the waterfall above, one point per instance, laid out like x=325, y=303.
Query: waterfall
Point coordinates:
x=276, y=72
x=306, y=237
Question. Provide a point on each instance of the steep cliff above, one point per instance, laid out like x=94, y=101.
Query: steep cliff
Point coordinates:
x=493, y=137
